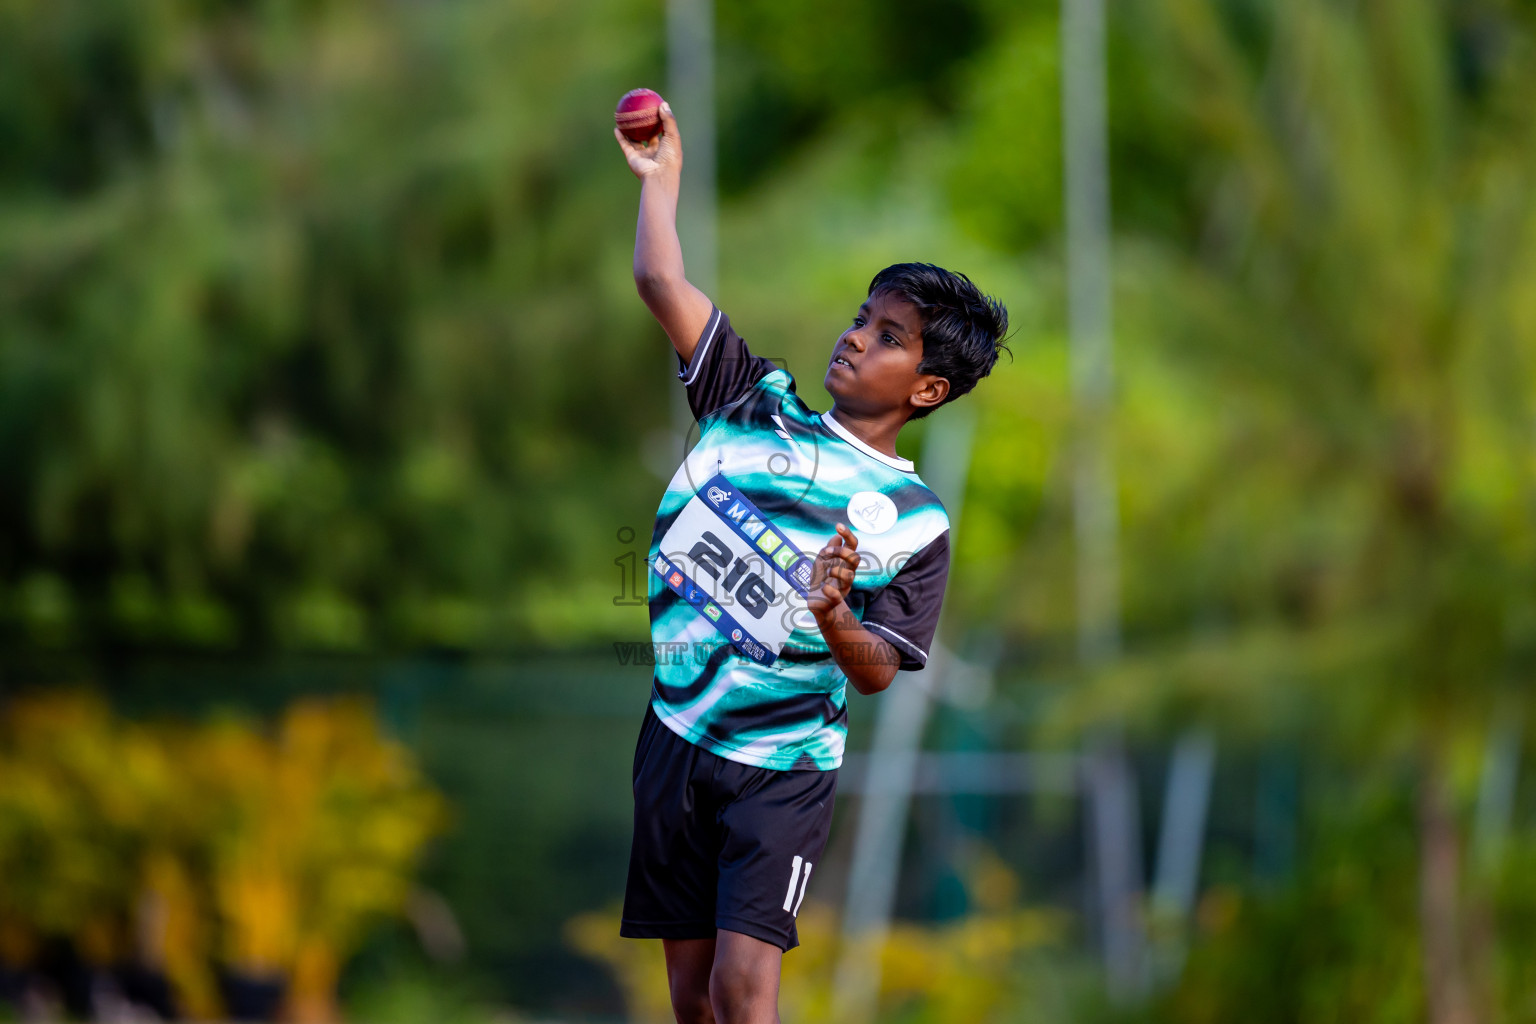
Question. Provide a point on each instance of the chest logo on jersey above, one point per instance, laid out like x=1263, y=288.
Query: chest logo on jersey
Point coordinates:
x=871, y=512
x=722, y=556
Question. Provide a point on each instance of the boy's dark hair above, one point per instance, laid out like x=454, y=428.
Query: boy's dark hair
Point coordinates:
x=962, y=328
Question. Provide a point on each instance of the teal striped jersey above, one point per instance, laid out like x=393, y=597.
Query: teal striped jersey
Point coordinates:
x=742, y=669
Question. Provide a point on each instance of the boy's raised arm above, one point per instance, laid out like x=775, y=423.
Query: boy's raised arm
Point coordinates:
x=682, y=310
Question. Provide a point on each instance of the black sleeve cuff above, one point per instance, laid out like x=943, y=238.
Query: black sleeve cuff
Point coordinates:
x=913, y=657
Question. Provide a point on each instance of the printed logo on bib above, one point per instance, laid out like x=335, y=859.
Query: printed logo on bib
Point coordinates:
x=720, y=554
x=871, y=512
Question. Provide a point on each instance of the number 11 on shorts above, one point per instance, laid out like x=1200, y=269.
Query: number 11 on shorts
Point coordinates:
x=791, y=902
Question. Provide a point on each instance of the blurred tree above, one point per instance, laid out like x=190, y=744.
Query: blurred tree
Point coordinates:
x=289, y=298
x=1353, y=332
x=792, y=69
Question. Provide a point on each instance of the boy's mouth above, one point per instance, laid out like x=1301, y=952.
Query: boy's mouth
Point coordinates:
x=840, y=361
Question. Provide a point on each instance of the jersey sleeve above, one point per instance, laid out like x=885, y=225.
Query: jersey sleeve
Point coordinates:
x=722, y=370
x=906, y=611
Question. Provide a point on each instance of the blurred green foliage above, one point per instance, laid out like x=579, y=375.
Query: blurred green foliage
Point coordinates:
x=317, y=335
x=286, y=346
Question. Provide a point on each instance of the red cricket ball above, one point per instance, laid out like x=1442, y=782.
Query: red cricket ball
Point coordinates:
x=639, y=115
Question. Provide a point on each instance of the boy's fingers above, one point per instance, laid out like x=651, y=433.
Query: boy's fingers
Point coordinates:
x=847, y=535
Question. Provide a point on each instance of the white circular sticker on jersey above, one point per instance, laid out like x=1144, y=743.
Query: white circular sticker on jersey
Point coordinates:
x=871, y=512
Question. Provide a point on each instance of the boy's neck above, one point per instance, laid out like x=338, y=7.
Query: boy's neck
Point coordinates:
x=879, y=432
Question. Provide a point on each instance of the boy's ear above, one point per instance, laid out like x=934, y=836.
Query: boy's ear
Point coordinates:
x=931, y=392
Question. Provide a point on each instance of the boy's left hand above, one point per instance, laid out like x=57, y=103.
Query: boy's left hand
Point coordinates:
x=832, y=574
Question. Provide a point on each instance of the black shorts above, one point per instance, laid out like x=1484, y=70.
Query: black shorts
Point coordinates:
x=720, y=844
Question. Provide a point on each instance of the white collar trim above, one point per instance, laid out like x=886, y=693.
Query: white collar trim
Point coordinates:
x=830, y=422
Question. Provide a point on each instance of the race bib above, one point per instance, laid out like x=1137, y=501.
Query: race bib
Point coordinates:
x=726, y=559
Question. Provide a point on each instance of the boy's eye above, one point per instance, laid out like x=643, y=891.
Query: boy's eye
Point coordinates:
x=858, y=321
x=888, y=339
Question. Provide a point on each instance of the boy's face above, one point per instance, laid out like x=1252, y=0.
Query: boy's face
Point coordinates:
x=873, y=370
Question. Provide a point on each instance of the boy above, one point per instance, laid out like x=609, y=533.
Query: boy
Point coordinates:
x=737, y=761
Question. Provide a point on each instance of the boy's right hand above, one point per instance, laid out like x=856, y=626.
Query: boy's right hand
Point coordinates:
x=832, y=573
x=662, y=154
